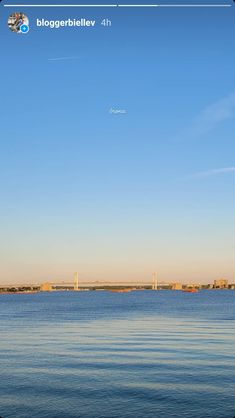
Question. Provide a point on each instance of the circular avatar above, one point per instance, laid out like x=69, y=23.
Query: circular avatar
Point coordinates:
x=18, y=23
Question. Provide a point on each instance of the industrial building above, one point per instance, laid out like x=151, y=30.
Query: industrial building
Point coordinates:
x=46, y=287
x=221, y=284
x=176, y=286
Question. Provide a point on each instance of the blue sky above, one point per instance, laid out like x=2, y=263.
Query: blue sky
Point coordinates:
x=117, y=196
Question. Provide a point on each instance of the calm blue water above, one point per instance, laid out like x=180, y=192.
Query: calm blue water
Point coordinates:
x=108, y=355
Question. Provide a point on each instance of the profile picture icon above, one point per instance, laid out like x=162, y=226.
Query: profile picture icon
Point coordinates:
x=18, y=23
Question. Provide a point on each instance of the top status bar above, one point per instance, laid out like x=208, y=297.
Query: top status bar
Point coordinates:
x=222, y=5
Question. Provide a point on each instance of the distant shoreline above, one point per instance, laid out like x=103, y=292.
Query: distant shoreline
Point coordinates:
x=111, y=290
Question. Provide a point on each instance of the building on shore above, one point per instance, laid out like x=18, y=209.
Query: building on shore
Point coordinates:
x=176, y=286
x=221, y=284
x=46, y=287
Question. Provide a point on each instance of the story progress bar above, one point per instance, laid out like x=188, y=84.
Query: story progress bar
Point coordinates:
x=121, y=5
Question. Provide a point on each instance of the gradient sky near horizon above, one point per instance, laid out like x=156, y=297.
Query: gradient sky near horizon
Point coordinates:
x=118, y=196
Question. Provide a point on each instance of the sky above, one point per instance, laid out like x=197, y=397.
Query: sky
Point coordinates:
x=116, y=196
